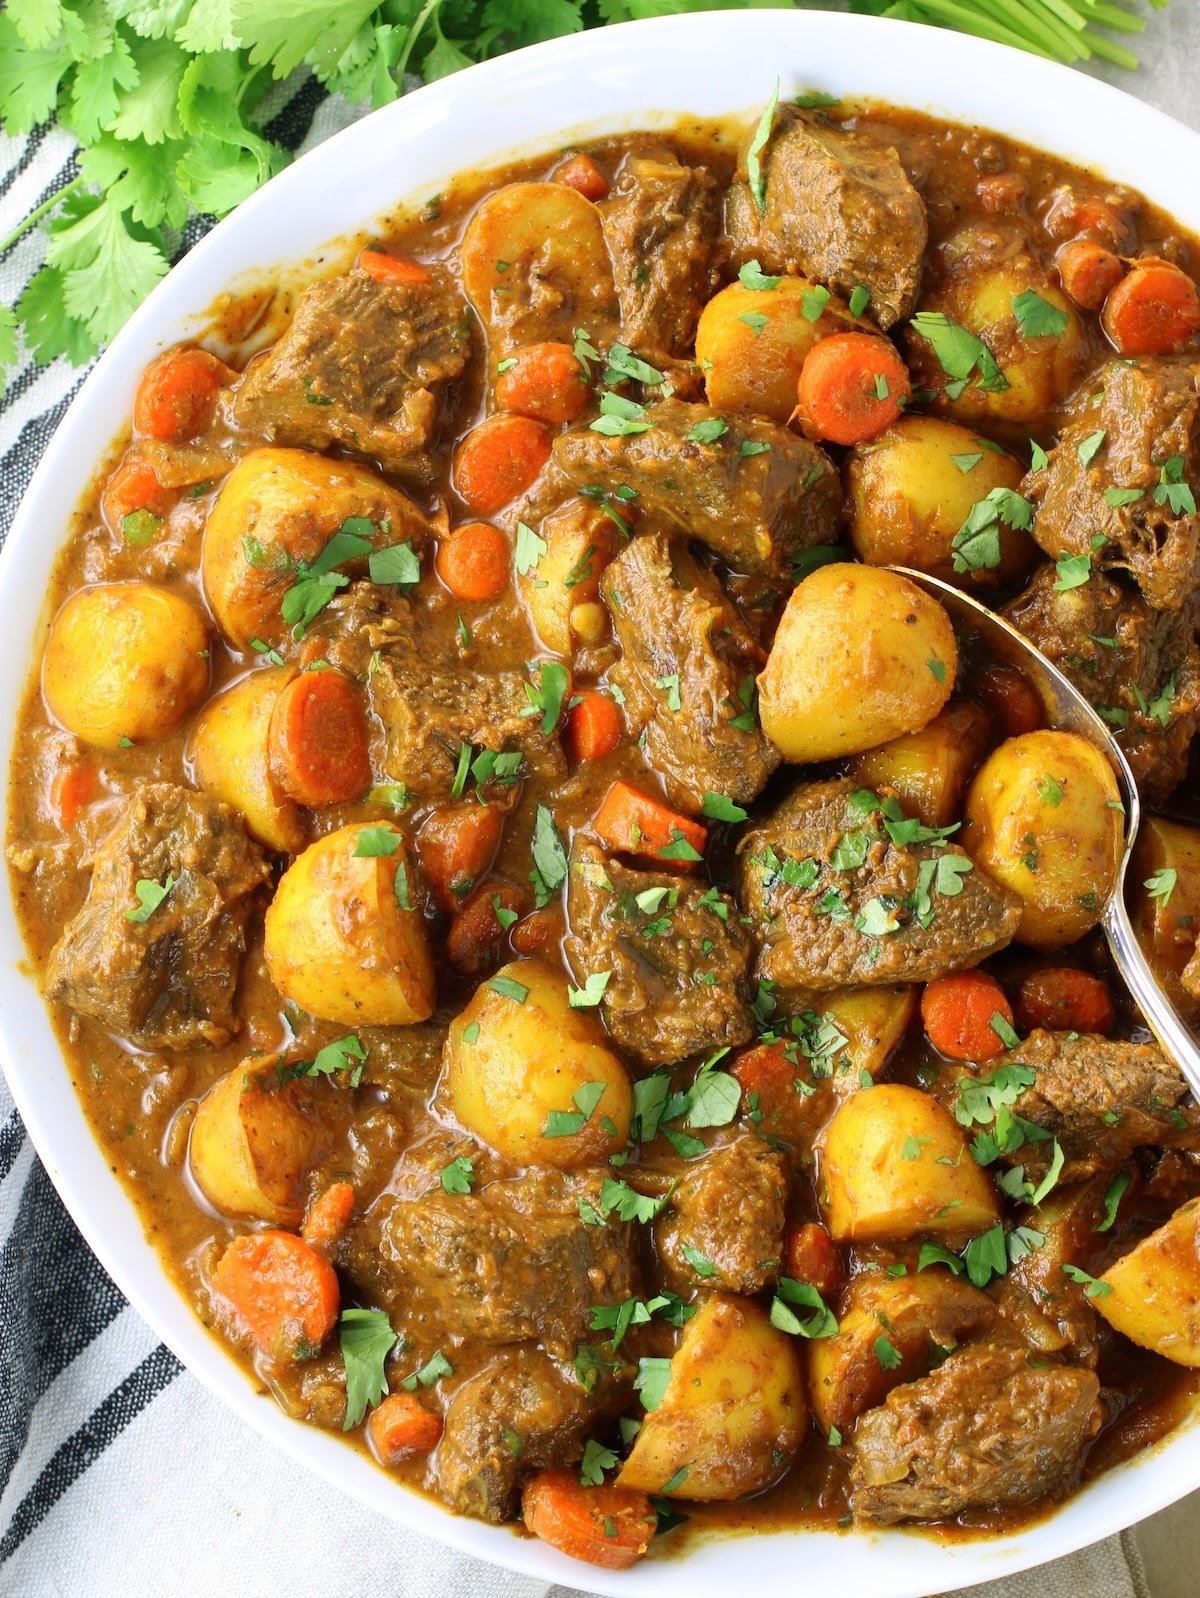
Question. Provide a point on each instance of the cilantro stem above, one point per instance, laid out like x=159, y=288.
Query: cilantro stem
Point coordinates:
x=414, y=32
x=38, y=212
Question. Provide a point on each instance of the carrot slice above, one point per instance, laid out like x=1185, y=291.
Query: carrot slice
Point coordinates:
x=474, y=562
x=478, y=932
x=1076, y=216
x=385, y=268
x=1001, y=193
x=809, y=1255
x=400, y=1426
x=133, y=487
x=593, y=726
x=630, y=819
x=177, y=395
x=1088, y=272
x=1010, y=697
x=1152, y=310
x=608, y=1526
x=500, y=459
x=957, y=1011
x=317, y=742
x=544, y=381
x=1065, y=999
x=580, y=172
x=456, y=847
x=852, y=386
x=537, y=931
x=281, y=1292
x=328, y=1217
x=71, y=790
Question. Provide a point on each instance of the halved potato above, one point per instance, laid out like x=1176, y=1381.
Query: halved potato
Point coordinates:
x=228, y=750
x=733, y=1415
x=338, y=939
x=895, y=1164
x=928, y=770
x=563, y=589
x=873, y=1021
x=252, y=1143
x=1154, y=1296
x=516, y=1058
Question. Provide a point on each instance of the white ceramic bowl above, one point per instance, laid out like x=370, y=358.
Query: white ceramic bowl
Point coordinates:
x=600, y=82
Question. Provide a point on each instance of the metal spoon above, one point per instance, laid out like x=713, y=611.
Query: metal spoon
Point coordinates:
x=1066, y=707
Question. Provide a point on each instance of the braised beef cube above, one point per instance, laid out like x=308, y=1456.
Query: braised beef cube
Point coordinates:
x=1139, y=667
x=723, y=1230
x=991, y=1429
x=755, y=493
x=839, y=209
x=835, y=902
x=1143, y=433
x=662, y=221
x=510, y=1261
x=515, y=1414
x=687, y=666
x=677, y=953
x=429, y=713
x=362, y=364
x=166, y=979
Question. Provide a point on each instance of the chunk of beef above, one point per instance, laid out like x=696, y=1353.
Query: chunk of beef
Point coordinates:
x=988, y=1430
x=666, y=998
x=517, y=1413
x=723, y=1230
x=167, y=982
x=901, y=915
x=685, y=659
x=839, y=208
x=362, y=365
x=428, y=712
x=511, y=1261
x=1139, y=667
x=755, y=507
x=1147, y=416
x=661, y=222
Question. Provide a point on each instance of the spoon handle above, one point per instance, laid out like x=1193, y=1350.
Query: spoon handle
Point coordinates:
x=1159, y=1013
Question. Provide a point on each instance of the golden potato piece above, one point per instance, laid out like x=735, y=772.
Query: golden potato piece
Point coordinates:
x=535, y=266
x=928, y=770
x=895, y=1164
x=733, y=1416
x=912, y=489
x=252, y=1142
x=1154, y=1296
x=872, y=1020
x=918, y=1315
x=861, y=655
x=751, y=343
x=338, y=940
x=1167, y=921
x=1040, y=819
x=124, y=661
x=562, y=590
x=519, y=1060
x=228, y=751
x=276, y=508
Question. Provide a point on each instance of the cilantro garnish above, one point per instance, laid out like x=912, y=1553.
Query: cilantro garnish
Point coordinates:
x=366, y=1339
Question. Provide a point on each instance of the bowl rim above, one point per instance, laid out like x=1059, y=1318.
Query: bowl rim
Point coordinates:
x=615, y=78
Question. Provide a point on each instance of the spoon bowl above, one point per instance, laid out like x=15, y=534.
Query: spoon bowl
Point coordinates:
x=1067, y=709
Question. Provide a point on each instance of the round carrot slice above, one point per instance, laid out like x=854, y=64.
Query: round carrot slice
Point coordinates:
x=317, y=742
x=580, y=172
x=852, y=386
x=500, y=459
x=957, y=1011
x=810, y=1255
x=1089, y=272
x=1152, y=310
x=400, y=1426
x=475, y=562
x=385, y=268
x=593, y=726
x=178, y=394
x=1065, y=999
x=544, y=381
x=281, y=1292
x=608, y=1526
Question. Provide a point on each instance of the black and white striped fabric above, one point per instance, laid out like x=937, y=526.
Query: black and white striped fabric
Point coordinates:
x=118, y=1473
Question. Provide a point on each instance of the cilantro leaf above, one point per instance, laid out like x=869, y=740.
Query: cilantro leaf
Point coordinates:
x=150, y=896
x=959, y=352
x=1037, y=318
x=366, y=1339
x=459, y=1175
x=791, y=1295
x=590, y=995
x=758, y=143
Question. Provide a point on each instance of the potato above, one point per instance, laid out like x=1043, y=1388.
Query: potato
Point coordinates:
x=124, y=660
x=1155, y=1297
x=1039, y=819
x=251, y=1144
x=873, y=1020
x=894, y=1164
x=1167, y=925
x=918, y=1314
x=519, y=1054
x=860, y=656
x=535, y=266
x=928, y=770
x=733, y=1415
x=908, y=500
x=563, y=588
x=751, y=344
x=228, y=751
x=978, y=294
x=278, y=507
x=339, y=943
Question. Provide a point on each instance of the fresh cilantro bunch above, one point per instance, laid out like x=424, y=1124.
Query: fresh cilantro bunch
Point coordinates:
x=1060, y=30
x=166, y=97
